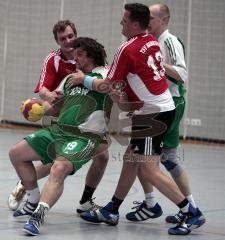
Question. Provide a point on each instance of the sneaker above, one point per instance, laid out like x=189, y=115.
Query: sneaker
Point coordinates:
x=16, y=196
x=143, y=212
x=36, y=219
x=173, y=218
x=101, y=215
x=27, y=210
x=188, y=221
x=88, y=206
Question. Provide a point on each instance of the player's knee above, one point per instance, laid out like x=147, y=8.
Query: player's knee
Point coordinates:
x=177, y=171
x=170, y=161
x=101, y=159
x=13, y=154
x=147, y=174
x=59, y=170
x=168, y=164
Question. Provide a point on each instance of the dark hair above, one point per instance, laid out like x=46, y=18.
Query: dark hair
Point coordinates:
x=61, y=25
x=93, y=49
x=139, y=12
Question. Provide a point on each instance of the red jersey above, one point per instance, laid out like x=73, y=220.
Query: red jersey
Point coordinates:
x=55, y=67
x=139, y=63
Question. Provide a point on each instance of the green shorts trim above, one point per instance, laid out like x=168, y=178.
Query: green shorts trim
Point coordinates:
x=52, y=142
x=173, y=134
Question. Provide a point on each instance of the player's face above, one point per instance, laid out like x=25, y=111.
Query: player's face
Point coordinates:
x=65, y=39
x=127, y=25
x=155, y=23
x=84, y=63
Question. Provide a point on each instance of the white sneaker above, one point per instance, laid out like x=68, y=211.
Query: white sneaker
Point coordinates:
x=88, y=206
x=16, y=196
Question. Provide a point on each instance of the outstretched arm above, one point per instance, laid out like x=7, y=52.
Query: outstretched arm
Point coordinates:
x=92, y=83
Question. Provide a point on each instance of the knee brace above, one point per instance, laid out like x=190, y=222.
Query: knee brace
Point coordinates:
x=171, y=161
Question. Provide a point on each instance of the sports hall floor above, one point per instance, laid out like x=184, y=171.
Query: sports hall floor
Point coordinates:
x=206, y=168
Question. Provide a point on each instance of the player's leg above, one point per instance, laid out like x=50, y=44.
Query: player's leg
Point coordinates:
x=109, y=214
x=21, y=156
x=94, y=176
x=51, y=192
x=73, y=151
x=37, y=143
x=148, y=165
x=171, y=158
x=148, y=208
x=16, y=196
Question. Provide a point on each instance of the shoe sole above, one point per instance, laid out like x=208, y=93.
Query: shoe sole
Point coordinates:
x=99, y=221
x=201, y=222
x=91, y=220
x=111, y=223
x=181, y=233
x=29, y=232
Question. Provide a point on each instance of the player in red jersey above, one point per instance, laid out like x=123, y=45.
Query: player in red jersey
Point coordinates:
x=57, y=65
x=176, y=73
x=138, y=63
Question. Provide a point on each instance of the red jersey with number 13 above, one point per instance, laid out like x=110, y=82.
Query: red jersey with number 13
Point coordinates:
x=138, y=62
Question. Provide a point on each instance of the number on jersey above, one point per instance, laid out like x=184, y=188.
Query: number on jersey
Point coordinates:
x=156, y=64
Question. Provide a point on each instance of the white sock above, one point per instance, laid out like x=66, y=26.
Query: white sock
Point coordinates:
x=150, y=199
x=191, y=200
x=33, y=195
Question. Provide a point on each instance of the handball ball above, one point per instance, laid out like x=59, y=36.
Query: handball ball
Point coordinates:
x=32, y=109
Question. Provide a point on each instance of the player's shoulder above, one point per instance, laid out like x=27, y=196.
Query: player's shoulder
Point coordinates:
x=168, y=36
x=127, y=46
x=52, y=54
x=102, y=70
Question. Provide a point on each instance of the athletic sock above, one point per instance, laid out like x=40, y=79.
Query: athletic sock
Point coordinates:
x=150, y=199
x=184, y=205
x=87, y=194
x=33, y=195
x=115, y=204
x=191, y=200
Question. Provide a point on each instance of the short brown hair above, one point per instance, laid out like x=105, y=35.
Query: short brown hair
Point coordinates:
x=138, y=12
x=61, y=25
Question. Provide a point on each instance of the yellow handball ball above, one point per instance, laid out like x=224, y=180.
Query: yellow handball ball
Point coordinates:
x=32, y=109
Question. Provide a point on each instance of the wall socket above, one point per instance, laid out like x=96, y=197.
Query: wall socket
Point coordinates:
x=193, y=121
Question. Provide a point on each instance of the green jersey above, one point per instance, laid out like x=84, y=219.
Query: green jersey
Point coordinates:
x=85, y=109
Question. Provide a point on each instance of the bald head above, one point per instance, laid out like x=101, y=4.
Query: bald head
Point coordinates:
x=160, y=9
x=160, y=15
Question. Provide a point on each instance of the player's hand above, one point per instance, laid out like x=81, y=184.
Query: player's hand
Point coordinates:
x=56, y=95
x=76, y=78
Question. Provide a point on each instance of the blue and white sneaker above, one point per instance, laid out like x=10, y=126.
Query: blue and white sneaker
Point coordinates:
x=188, y=221
x=27, y=210
x=101, y=215
x=173, y=218
x=36, y=219
x=88, y=206
x=143, y=212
